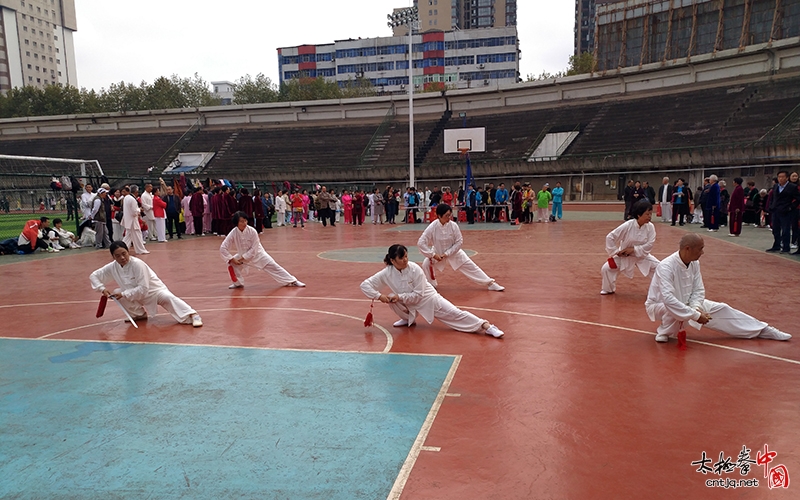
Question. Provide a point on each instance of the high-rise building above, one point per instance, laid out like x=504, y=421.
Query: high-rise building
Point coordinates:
x=456, y=59
x=638, y=32
x=585, y=12
x=446, y=15
x=36, y=43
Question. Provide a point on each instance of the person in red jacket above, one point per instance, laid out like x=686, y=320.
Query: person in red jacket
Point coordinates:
x=29, y=239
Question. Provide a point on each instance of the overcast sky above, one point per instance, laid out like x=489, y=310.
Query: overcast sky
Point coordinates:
x=140, y=40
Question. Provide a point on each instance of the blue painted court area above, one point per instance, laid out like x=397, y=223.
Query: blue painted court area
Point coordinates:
x=110, y=420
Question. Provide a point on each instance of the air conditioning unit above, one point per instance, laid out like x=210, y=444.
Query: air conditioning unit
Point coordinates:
x=486, y=82
x=482, y=66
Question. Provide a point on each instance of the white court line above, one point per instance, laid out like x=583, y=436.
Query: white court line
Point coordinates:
x=389, y=339
x=431, y=448
x=223, y=346
x=416, y=448
x=623, y=328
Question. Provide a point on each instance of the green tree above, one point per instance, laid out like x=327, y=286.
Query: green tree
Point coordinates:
x=309, y=89
x=247, y=90
x=582, y=64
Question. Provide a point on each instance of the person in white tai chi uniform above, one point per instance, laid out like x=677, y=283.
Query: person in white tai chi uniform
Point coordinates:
x=243, y=248
x=413, y=295
x=677, y=295
x=130, y=219
x=629, y=247
x=441, y=242
x=140, y=290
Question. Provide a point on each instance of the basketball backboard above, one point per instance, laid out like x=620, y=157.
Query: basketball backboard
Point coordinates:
x=458, y=139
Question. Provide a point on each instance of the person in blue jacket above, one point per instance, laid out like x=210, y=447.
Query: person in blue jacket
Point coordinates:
x=558, y=196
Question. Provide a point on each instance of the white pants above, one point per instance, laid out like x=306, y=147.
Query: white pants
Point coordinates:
x=116, y=231
x=282, y=218
x=698, y=216
x=151, y=223
x=179, y=309
x=160, y=227
x=610, y=277
x=724, y=319
x=448, y=314
x=666, y=212
x=541, y=214
x=272, y=268
x=133, y=238
x=468, y=269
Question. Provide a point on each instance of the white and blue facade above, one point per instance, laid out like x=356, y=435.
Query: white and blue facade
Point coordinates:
x=460, y=59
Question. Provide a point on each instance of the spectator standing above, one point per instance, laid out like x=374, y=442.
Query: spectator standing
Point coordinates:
x=680, y=202
x=558, y=198
x=159, y=226
x=327, y=206
x=736, y=208
x=501, y=199
x=712, y=203
x=724, y=200
x=280, y=208
x=147, y=208
x=649, y=192
x=87, y=198
x=470, y=203
x=99, y=217
x=297, y=208
x=793, y=178
x=627, y=196
x=377, y=206
x=347, y=206
x=173, y=212
x=702, y=204
x=542, y=203
x=782, y=211
x=750, y=210
x=516, y=203
x=665, y=199
x=528, y=201
x=245, y=205
x=130, y=220
x=197, y=208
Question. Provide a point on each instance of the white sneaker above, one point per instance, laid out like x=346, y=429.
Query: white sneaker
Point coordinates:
x=401, y=322
x=772, y=333
x=74, y=245
x=236, y=285
x=603, y=292
x=197, y=321
x=494, y=287
x=662, y=338
x=494, y=332
x=297, y=283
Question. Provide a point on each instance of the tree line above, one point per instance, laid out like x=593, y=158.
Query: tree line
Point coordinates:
x=168, y=93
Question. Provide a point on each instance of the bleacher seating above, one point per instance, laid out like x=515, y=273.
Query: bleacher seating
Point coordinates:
x=731, y=115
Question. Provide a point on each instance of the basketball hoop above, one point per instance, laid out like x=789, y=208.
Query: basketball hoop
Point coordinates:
x=463, y=152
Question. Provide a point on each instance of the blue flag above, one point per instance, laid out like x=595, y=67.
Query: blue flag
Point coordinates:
x=470, y=180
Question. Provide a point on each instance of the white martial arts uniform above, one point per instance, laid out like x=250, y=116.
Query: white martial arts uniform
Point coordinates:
x=629, y=234
x=417, y=296
x=246, y=245
x=280, y=207
x=149, y=216
x=130, y=223
x=141, y=290
x=666, y=204
x=676, y=293
x=446, y=239
x=87, y=199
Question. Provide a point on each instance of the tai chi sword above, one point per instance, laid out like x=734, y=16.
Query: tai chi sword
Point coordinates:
x=126, y=312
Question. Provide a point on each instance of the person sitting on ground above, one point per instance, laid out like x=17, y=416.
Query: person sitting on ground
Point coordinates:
x=677, y=295
x=140, y=290
x=629, y=247
x=441, y=242
x=412, y=294
x=62, y=237
x=32, y=236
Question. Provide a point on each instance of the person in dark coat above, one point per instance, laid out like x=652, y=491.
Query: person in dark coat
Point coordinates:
x=736, y=208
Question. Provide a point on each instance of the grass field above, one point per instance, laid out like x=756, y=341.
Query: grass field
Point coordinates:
x=11, y=223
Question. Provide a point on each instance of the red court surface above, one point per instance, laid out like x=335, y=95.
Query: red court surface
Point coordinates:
x=577, y=401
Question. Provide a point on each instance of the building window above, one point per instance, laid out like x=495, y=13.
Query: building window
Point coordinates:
x=59, y=73
x=35, y=44
x=55, y=37
x=30, y=78
x=27, y=53
x=38, y=80
x=57, y=50
x=27, y=42
x=24, y=28
x=51, y=59
x=37, y=68
x=29, y=66
x=36, y=56
x=58, y=61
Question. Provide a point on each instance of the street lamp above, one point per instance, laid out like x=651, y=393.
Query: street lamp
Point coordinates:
x=408, y=17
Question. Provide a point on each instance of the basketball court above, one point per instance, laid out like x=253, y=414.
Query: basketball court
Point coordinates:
x=283, y=393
